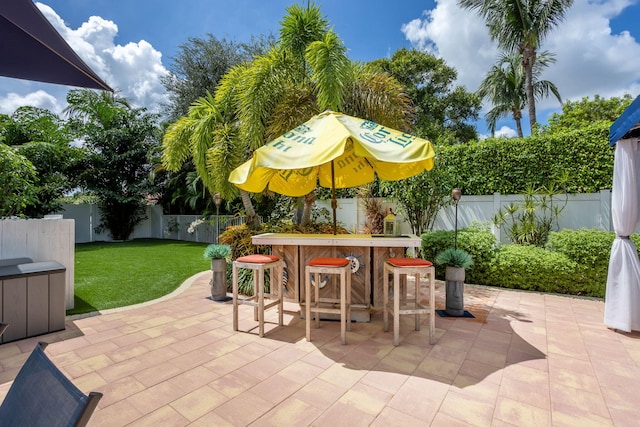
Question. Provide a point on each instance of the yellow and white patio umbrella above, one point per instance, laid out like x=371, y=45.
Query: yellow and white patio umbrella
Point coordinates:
x=336, y=151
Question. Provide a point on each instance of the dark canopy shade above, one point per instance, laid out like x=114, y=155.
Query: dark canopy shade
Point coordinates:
x=31, y=49
x=627, y=125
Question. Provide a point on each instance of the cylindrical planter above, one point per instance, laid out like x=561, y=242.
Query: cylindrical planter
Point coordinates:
x=454, y=305
x=219, y=279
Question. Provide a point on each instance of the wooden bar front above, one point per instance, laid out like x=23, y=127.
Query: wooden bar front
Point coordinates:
x=366, y=252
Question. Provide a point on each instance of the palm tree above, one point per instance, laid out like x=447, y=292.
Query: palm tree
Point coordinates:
x=520, y=26
x=504, y=87
x=305, y=73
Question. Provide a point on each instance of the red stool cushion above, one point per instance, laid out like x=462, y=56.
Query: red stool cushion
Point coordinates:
x=258, y=259
x=409, y=262
x=329, y=262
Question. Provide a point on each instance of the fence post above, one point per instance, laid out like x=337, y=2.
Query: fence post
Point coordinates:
x=605, y=210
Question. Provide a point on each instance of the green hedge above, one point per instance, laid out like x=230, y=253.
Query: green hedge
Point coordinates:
x=477, y=240
x=573, y=262
x=508, y=166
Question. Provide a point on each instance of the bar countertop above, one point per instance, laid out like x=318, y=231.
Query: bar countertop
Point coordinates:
x=371, y=240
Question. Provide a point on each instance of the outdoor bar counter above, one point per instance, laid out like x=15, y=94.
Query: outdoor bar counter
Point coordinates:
x=366, y=252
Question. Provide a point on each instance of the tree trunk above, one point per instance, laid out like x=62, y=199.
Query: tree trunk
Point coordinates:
x=519, y=127
x=309, y=199
x=252, y=218
x=528, y=61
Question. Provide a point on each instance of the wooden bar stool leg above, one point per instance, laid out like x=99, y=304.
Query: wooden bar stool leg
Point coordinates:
x=235, y=297
x=432, y=305
x=348, y=284
x=260, y=294
x=307, y=297
x=280, y=295
x=385, y=298
x=396, y=307
x=417, y=291
x=317, y=277
x=343, y=307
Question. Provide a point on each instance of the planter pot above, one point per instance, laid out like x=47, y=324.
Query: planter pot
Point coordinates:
x=219, y=279
x=454, y=277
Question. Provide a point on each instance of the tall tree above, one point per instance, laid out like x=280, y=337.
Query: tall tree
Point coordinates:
x=443, y=112
x=118, y=139
x=17, y=182
x=585, y=112
x=200, y=64
x=504, y=87
x=520, y=26
x=43, y=138
x=305, y=73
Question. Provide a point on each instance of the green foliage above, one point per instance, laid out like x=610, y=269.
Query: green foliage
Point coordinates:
x=535, y=269
x=454, y=258
x=43, y=138
x=118, y=140
x=215, y=251
x=590, y=250
x=477, y=240
x=578, y=114
x=17, y=182
x=443, y=112
x=581, y=157
x=420, y=197
x=529, y=222
x=200, y=64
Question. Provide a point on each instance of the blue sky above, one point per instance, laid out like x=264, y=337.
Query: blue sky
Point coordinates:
x=130, y=43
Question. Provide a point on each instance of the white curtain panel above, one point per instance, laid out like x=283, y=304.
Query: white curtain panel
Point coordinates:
x=622, y=300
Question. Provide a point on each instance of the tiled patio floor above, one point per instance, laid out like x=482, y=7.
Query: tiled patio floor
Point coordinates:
x=526, y=360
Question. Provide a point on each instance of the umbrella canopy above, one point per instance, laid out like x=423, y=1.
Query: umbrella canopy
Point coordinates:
x=336, y=151
x=32, y=49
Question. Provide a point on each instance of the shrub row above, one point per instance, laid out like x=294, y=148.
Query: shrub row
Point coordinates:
x=574, y=262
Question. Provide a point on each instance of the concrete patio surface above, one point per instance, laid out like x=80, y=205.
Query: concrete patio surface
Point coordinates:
x=526, y=359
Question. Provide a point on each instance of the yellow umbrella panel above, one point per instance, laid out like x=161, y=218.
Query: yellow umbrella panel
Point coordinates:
x=294, y=163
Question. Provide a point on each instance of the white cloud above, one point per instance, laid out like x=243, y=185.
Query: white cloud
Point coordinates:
x=41, y=99
x=590, y=59
x=133, y=70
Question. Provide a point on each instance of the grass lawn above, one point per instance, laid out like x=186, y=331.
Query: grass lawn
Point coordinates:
x=117, y=274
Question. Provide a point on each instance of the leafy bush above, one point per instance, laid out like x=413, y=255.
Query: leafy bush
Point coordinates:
x=477, y=240
x=536, y=269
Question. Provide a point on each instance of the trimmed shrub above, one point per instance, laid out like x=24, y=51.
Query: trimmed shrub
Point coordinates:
x=535, y=269
x=477, y=240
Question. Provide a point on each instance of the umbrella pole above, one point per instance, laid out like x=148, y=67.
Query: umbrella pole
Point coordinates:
x=334, y=202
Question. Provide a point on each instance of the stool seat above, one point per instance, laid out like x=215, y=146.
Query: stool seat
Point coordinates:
x=332, y=266
x=401, y=268
x=258, y=263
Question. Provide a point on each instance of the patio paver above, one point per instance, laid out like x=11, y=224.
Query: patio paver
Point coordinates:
x=526, y=359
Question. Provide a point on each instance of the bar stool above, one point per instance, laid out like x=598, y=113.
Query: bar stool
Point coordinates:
x=258, y=264
x=317, y=267
x=401, y=303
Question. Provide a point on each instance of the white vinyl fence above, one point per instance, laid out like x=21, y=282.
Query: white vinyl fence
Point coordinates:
x=581, y=211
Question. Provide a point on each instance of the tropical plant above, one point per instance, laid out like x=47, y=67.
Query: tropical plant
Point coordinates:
x=504, y=87
x=17, y=182
x=118, y=140
x=586, y=112
x=452, y=257
x=216, y=251
x=531, y=221
x=520, y=26
x=443, y=112
x=304, y=73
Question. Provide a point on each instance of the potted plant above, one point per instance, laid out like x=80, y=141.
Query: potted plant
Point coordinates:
x=456, y=261
x=218, y=255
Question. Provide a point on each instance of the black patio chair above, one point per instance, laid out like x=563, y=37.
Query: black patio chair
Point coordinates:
x=41, y=395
